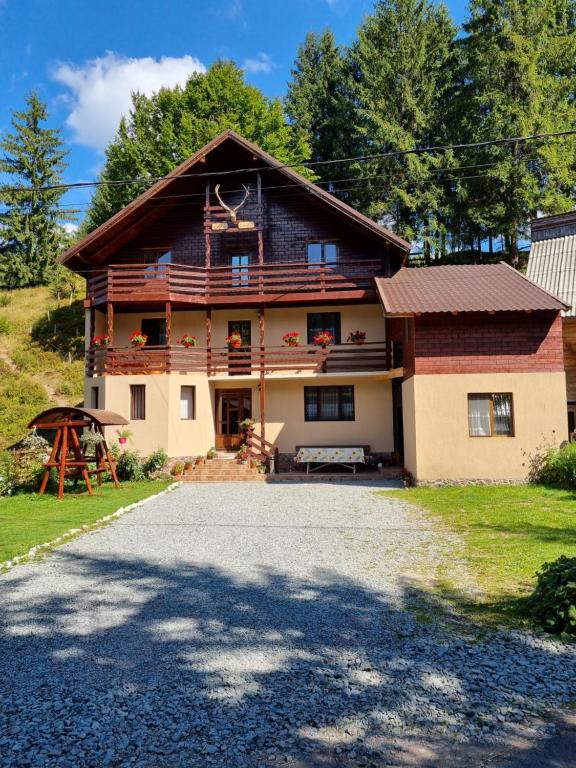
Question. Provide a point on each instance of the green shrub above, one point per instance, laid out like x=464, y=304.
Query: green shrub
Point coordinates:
x=62, y=331
x=21, y=399
x=553, y=602
x=177, y=469
x=4, y=325
x=5, y=299
x=7, y=485
x=155, y=462
x=556, y=467
x=129, y=466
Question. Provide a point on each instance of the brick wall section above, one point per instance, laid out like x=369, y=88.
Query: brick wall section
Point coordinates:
x=506, y=342
x=291, y=219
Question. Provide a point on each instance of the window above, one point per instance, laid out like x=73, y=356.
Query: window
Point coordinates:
x=137, y=402
x=155, y=329
x=95, y=397
x=240, y=272
x=157, y=259
x=490, y=415
x=324, y=321
x=187, y=403
x=322, y=253
x=329, y=403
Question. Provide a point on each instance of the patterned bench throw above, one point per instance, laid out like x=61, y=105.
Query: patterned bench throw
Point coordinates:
x=346, y=457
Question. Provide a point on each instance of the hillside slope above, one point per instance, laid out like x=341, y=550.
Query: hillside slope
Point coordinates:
x=41, y=350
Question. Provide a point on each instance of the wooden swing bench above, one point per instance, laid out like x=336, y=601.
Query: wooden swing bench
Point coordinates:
x=68, y=456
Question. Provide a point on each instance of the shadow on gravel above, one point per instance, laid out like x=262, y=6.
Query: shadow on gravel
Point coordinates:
x=131, y=663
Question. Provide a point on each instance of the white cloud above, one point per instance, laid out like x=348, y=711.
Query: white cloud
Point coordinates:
x=234, y=10
x=100, y=90
x=70, y=228
x=262, y=63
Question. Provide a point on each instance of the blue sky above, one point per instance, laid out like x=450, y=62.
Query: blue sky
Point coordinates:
x=84, y=57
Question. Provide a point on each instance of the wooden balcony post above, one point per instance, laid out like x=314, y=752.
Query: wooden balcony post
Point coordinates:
x=207, y=249
x=208, y=340
x=262, y=377
x=168, y=335
x=92, y=326
x=110, y=322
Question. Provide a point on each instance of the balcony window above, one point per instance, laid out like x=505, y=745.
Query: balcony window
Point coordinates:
x=157, y=261
x=187, y=403
x=322, y=253
x=490, y=415
x=240, y=272
x=155, y=329
x=324, y=321
x=137, y=402
x=329, y=403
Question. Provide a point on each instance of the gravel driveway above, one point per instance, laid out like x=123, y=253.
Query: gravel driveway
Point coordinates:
x=254, y=625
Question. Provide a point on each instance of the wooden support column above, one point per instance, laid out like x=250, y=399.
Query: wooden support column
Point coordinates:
x=259, y=222
x=207, y=249
x=92, y=317
x=110, y=322
x=168, y=335
x=208, y=340
x=262, y=376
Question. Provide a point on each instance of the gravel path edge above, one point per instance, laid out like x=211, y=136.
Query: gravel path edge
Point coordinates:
x=73, y=533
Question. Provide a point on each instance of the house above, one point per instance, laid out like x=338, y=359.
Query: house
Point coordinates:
x=552, y=264
x=237, y=250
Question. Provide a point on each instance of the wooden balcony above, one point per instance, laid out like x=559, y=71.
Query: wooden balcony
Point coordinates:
x=343, y=358
x=281, y=283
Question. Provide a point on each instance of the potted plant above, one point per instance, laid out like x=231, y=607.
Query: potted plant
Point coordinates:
x=199, y=460
x=100, y=342
x=245, y=425
x=188, y=466
x=234, y=341
x=407, y=478
x=291, y=339
x=187, y=340
x=138, y=339
x=123, y=435
x=90, y=439
x=243, y=454
x=212, y=453
x=323, y=339
x=357, y=337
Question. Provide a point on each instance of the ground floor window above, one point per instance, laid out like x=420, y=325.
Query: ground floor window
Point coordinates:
x=490, y=415
x=95, y=397
x=137, y=402
x=187, y=403
x=329, y=403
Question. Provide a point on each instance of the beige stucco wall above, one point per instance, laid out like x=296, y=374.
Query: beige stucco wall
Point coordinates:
x=373, y=416
x=277, y=322
x=284, y=413
x=437, y=443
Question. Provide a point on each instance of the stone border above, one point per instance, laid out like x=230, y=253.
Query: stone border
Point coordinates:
x=72, y=533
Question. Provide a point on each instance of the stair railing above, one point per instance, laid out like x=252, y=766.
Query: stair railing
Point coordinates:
x=261, y=449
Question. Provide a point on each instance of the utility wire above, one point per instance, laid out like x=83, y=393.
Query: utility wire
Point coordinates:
x=309, y=164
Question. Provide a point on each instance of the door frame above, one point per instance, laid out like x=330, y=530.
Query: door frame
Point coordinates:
x=225, y=442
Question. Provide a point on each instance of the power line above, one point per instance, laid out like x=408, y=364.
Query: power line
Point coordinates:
x=310, y=164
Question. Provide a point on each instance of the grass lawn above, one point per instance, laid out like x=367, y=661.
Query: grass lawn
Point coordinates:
x=28, y=519
x=508, y=533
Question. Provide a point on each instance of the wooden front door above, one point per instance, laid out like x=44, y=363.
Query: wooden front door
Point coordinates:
x=232, y=407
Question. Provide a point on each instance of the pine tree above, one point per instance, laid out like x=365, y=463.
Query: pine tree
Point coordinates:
x=404, y=63
x=30, y=232
x=167, y=127
x=520, y=79
x=320, y=103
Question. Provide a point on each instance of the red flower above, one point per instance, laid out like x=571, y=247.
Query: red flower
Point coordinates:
x=138, y=339
x=100, y=342
x=323, y=339
x=187, y=340
x=292, y=338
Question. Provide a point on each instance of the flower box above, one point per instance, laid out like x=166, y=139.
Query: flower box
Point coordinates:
x=234, y=341
x=323, y=339
x=100, y=342
x=187, y=341
x=357, y=337
x=138, y=339
x=291, y=339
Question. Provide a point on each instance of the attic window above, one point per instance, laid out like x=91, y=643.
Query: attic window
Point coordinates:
x=322, y=253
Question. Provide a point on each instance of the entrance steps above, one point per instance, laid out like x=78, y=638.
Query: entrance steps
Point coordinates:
x=223, y=469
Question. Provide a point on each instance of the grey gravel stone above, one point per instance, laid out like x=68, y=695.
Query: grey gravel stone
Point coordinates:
x=251, y=625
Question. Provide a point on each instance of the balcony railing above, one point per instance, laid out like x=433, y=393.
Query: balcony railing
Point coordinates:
x=201, y=285
x=343, y=358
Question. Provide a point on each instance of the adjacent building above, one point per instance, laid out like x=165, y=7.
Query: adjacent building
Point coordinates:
x=552, y=264
x=261, y=296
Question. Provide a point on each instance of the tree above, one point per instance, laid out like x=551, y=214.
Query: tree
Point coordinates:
x=519, y=80
x=164, y=129
x=404, y=63
x=30, y=233
x=320, y=103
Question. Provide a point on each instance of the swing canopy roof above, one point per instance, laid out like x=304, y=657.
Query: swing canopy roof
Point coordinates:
x=61, y=415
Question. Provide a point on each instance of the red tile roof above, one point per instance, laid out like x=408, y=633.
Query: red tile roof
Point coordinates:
x=463, y=288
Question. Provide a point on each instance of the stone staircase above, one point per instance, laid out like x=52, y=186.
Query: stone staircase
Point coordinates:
x=223, y=469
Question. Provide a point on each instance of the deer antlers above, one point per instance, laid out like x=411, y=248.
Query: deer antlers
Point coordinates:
x=232, y=211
